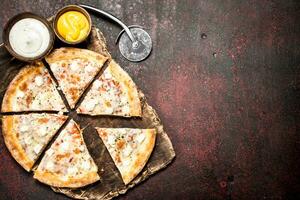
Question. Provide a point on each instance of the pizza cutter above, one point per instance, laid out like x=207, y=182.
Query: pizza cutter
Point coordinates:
x=135, y=43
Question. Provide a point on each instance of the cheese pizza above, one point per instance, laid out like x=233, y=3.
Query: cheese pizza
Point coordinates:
x=74, y=69
x=67, y=163
x=32, y=90
x=113, y=93
x=129, y=148
x=27, y=135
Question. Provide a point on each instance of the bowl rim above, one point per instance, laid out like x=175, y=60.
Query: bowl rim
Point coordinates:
x=64, y=10
x=14, y=20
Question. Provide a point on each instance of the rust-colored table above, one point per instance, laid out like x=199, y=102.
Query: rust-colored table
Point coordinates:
x=224, y=78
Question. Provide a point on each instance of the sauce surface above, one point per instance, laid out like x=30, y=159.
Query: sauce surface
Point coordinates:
x=29, y=37
x=73, y=26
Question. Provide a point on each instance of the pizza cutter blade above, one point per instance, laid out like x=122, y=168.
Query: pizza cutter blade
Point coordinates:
x=135, y=43
x=136, y=50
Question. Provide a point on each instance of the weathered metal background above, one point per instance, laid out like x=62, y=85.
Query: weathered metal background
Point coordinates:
x=230, y=100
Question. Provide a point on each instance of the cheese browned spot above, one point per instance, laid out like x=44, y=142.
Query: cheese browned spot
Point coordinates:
x=23, y=87
x=43, y=120
x=129, y=148
x=120, y=144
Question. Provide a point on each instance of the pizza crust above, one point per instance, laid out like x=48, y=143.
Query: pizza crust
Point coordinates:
x=131, y=88
x=69, y=53
x=13, y=146
x=56, y=181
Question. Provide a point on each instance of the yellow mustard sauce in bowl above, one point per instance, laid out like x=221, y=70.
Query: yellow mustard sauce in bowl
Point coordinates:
x=73, y=26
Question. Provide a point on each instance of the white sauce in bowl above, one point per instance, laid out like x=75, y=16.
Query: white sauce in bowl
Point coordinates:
x=29, y=37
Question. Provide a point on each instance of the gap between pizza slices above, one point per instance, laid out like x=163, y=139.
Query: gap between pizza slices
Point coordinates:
x=26, y=136
x=67, y=163
x=130, y=148
x=74, y=70
x=32, y=90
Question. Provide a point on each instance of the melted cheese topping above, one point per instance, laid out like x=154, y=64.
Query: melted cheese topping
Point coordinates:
x=107, y=97
x=34, y=131
x=38, y=92
x=74, y=76
x=68, y=156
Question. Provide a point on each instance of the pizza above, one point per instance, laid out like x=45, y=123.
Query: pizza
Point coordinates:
x=74, y=69
x=67, y=163
x=27, y=135
x=113, y=93
x=32, y=90
x=129, y=148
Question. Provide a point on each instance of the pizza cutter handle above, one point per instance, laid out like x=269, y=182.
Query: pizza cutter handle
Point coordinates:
x=110, y=16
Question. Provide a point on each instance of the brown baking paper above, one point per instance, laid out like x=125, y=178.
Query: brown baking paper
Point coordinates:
x=110, y=184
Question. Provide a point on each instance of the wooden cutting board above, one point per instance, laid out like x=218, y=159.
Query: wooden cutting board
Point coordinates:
x=111, y=184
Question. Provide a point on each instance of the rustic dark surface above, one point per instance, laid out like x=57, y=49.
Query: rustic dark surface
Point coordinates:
x=229, y=101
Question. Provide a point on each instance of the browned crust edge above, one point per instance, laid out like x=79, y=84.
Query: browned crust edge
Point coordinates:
x=13, y=146
x=55, y=180
x=69, y=53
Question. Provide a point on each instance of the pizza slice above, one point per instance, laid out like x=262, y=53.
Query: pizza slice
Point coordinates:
x=32, y=90
x=67, y=163
x=129, y=148
x=74, y=69
x=113, y=93
x=27, y=135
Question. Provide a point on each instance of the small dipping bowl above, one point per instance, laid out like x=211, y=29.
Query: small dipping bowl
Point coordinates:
x=28, y=37
x=68, y=9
